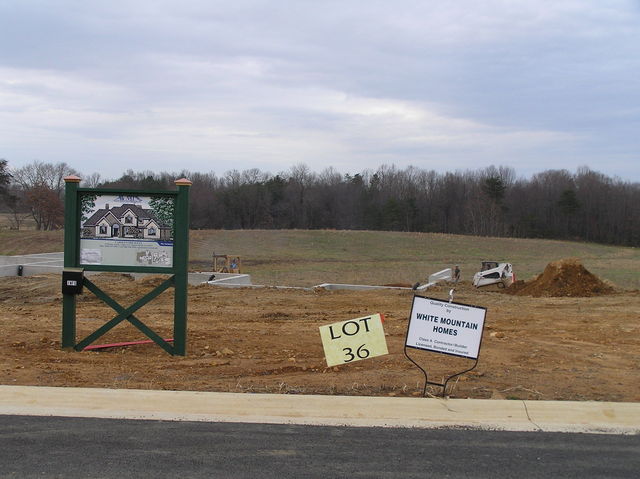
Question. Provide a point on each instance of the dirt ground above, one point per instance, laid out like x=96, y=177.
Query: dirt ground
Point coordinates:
x=267, y=340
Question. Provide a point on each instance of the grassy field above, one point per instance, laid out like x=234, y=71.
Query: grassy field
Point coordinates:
x=14, y=242
x=374, y=257
x=306, y=258
x=26, y=221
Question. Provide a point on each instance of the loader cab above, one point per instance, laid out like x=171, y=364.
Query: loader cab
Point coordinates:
x=487, y=265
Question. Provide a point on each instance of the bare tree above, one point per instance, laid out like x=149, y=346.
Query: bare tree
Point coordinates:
x=42, y=185
x=91, y=181
x=584, y=205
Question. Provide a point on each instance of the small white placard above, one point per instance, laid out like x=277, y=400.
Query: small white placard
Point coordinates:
x=90, y=256
x=443, y=327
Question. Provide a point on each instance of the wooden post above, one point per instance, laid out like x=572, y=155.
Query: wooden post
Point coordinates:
x=71, y=234
x=181, y=265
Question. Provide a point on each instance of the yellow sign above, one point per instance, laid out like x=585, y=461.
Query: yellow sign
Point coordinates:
x=353, y=340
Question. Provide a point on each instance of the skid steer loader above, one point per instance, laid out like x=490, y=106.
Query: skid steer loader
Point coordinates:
x=492, y=272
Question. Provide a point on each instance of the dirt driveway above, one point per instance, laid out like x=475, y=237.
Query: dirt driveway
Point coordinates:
x=267, y=340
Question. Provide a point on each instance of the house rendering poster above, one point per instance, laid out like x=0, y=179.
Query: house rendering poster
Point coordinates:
x=126, y=230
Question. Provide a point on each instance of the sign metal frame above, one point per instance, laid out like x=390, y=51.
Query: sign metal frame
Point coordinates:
x=444, y=384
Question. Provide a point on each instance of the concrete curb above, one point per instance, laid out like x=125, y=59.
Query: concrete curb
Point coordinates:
x=550, y=416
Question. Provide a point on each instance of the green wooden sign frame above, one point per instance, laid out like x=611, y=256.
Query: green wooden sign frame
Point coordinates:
x=178, y=269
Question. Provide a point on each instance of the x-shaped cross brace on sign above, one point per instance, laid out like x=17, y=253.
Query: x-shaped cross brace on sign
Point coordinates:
x=126, y=313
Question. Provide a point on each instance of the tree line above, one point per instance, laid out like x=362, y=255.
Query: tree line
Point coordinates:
x=585, y=205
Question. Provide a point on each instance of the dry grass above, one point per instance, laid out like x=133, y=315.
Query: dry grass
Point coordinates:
x=307, y=258
x=14, y=242
x=7, y=221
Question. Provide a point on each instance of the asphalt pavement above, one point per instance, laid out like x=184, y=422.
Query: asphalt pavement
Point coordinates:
x=116, y=448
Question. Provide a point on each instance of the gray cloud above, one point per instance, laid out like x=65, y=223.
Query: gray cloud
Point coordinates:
x=219, y=85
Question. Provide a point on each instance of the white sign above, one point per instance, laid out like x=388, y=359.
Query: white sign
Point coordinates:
x=443, y=327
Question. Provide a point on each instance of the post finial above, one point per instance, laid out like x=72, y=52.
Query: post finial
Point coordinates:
x=183, y=182
x=72, y=179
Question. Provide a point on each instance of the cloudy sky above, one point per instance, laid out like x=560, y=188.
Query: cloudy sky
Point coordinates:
x=218, y=85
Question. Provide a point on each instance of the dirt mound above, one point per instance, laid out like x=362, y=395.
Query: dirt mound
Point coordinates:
x=566, y=277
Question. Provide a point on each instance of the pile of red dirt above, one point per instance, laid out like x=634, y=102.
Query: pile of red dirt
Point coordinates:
x=566, y=277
